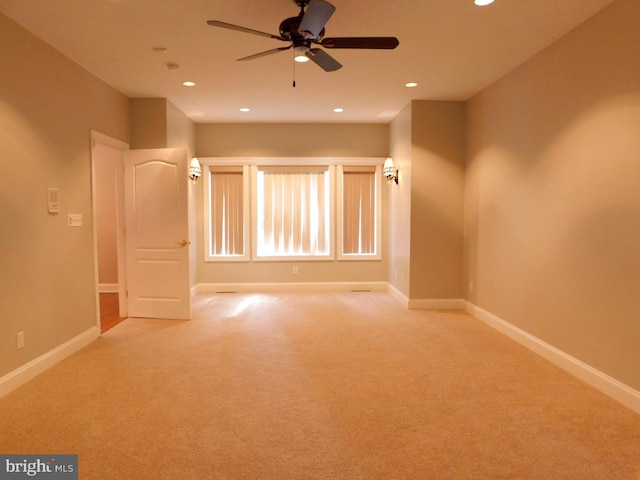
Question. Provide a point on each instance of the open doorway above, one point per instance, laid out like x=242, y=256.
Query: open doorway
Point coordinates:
x=109, y=311
x=107, y=166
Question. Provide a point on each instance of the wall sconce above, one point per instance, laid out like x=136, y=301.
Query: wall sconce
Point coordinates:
x=195, y=170
x=389, y=170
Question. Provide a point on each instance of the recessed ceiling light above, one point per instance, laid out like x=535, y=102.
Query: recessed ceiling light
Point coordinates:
x=338, y=110
x=189, y=84
x=245, y=109
x=483, y=3
x=411, y=84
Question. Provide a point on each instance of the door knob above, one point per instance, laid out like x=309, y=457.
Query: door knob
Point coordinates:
x=183, y=243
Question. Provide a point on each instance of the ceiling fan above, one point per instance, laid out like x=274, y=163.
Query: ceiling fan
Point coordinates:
x=307, y=30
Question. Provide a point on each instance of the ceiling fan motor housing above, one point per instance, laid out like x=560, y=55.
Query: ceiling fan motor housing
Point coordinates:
x=289, y=30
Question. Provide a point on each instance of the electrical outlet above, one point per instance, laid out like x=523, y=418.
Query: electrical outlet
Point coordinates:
x=20, y=340
x=295, y=270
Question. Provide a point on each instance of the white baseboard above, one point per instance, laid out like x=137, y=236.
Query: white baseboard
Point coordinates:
x=398, y=295
x=624, y=394
x=108, y=288
x=22, y=375
x=427, y=303
x=288, y=287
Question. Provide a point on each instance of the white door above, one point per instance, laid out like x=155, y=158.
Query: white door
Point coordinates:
x=156, y=222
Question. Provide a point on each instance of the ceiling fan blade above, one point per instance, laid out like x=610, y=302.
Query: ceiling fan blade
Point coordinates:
x=230, y=26
x=323, y=60
x=388, y=43
x=265, y=53
x=315, y=18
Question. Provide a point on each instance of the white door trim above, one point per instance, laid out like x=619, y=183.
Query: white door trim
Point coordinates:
x=97, y=137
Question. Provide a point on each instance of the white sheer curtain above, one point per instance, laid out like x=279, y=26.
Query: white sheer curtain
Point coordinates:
x=227, y=232
x=359, y=211
x=293, y=211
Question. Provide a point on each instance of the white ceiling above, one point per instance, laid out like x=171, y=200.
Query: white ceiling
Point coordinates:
x=452, y=48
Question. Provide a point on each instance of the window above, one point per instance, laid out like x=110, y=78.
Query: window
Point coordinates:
x=226, y=195
x=293, y=211
x=359, y=219
x=266, y=209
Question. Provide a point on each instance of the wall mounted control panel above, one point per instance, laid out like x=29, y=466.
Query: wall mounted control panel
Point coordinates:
x=52, y=200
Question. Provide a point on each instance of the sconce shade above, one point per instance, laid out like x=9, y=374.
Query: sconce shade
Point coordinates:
x=195, y=170
x=389, y=170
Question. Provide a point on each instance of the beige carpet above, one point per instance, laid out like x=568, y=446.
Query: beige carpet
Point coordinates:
x=318, y=386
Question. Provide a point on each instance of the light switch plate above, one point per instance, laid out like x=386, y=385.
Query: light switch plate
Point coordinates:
x=75, y=220
x=52, y=200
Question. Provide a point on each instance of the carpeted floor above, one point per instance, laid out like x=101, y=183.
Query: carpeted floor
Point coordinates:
x=318, y=386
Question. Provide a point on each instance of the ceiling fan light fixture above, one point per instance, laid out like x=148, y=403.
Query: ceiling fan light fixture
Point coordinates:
x=300, y=54
x=411, y=84
x=189, y=84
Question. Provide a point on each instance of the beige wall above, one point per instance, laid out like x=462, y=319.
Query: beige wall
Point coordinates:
x=437, y=199
x=292, y=140
x=181, y=131
x=289, y=140
x=553, y=202
x=48, y=107
x=148, y=122
x=399, y=203
x=158, y=123
x=426, y=207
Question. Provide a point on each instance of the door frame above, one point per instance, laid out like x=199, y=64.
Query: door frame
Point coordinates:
x=97, y=137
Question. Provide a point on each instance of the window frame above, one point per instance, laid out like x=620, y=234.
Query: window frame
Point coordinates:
x=246, y=210
x=249, y=174
x=280, y=162
x=340, y=255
